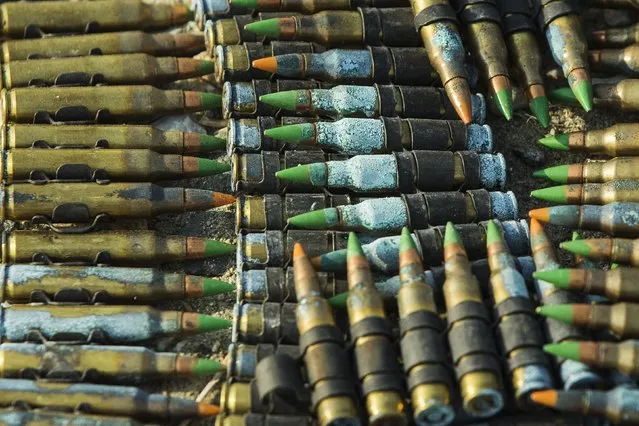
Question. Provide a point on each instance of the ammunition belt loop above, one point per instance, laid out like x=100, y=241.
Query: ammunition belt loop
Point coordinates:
x=373, y=31
x=478, y=11
x=406, y=172
x=320, y=334
x=435, y=13
x=482, y=203
x=376, y=362
x=423, y=346
x=429, y=374
x=371, y=326
x=382, y=60
x=387, y=99
x=517, y=16
x=393, y=133
x=532, y=356
x=520, y=332
x=549, y=10
x=514, y=305
x=278, y=376
x=420, y=319
x=467, y=310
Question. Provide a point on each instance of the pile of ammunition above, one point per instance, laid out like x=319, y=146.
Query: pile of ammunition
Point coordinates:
x=383, y=274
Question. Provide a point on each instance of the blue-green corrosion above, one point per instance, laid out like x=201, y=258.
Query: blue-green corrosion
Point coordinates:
x=365, y=173
x=243, y=135
x=374, y=215
x=238, y=97
x=479, y=138
x=493, y=170
x=503, y=205
x=339, y=65
x=346, y=101
x=352, y=136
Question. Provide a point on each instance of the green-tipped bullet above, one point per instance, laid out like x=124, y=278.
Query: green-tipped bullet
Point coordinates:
x=561, y=313
x=309, y=174
x=304, y=132
x=541, y=109
x=265, y=28
x=557, y=174
x=317, y=219
x=504, y=102
x=207, y=67
x=206, y=323
x=248, y=4
x=212, y=286
x=210, y=101
x=580, y=247
x=554, y=194
x=285, y=100
x=451, y=236
x=406, y=240
x=214, y=248
x=557, y=142
x=557, y=277
x=569, y=350
x=492, y=233
x=354, y=248
x=207, y=367
x=208, y=143
x=583, y=92
x=206, y=167
x=339, y=301
x=564, y=95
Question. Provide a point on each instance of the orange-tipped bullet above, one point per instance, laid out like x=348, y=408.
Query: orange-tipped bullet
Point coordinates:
x=268, y=64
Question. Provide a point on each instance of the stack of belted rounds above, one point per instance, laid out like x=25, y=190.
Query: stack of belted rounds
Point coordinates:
x=81, y=173
x=600, y=194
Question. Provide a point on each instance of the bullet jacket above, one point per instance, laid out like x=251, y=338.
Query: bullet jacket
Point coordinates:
x=594, y=171
x=16, y=136
x=619, y=139
x=25, y=20
x=242, y=359
x=623, y=96
x=616, y=250
x=616, y=219
x=592, y=193
x=98, y=104
x=135, y=68
x=161, y=44
x=13, y=416
x=112, y=247
x=104, y=284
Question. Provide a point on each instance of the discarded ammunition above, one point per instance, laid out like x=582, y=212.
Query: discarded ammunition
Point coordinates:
x=355, y=136
x=25, y=20
x=44, y=283
x=232, y=31
x=591, y=193
x=375, y=101
x=373, y=350
x=371, y=26
x=99, y=104
x=113, y=247
x=617, y=284
x=594, y=18
x=233, y=62
x=247, y=134
x=618, y=317
x=561, y=24
x=583, y=263
x=314, y=6
x=482, y=23
x=15, y=416
x=422, y=344
x=101, y=399
x=136, y=68
x=614, y=218
x=319, y=211
x=267, y=322
x=617, y=250
x=520, y=34
x=618, y=405
x=469, y=336
x=100, y=323
x=573, y=375
x=405, y=172
x=528, y=368
x=615, y=37
x=328, y=372
x=616, y=61
x=593, y=171
x=131, y=165
x=258, y=419
x=242, y=358
x=620, y=96
x=97, y=362
x=398, y=65
x=620, y=356
x=619, y=139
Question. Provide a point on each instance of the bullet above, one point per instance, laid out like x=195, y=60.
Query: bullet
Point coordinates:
x=626, y=191
x=231, y=31
x=617, y=250
x=388, y=215
x=53, y=283
x=561, y=24
x=617, y=405
x=109, y=247
x=593, y=171
x=99, y=104
x=528, y=368
x=97, y=362
x=243, y=358
x=398, y=65
x=621, y=4
x=482, y=23
x=84, y=202
x=594, y=18
x=421, y=342
x=267, y=322
x=309, y=7
x=356, y=136
x=382, y=252
x=404, y=172
x=618, y=317
x=101, y=323
x=160, y=44
x=246, y=135
x=520, y=35
x=614, y=218
x=583, y=263
x=616, y=284
x=616, y=61
x=620, y=96
x=131, y=165
x=375, y=101
x=233, y=62
x=619, y=139
x=135, y=68
x=23, y=20
x=376, y=362
x=573, y=375
x=615, y=37
x=370, y=26
x=325, y=358
x=472, y=347
x=620, y=356
x=16, y=416
x=102, y=399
